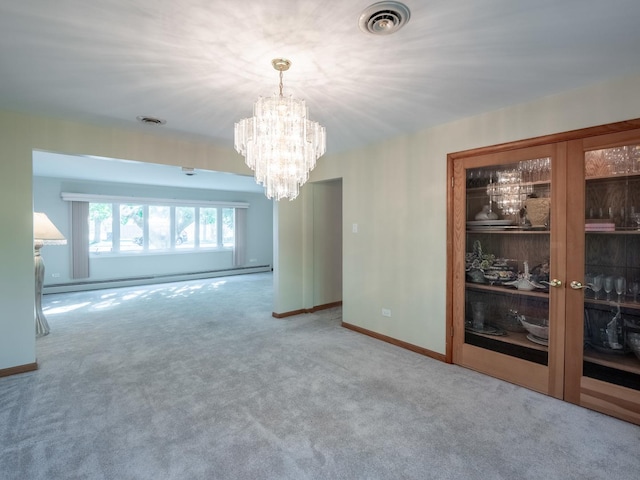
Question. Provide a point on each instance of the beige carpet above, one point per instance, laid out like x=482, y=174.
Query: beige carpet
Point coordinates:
x=196, y=380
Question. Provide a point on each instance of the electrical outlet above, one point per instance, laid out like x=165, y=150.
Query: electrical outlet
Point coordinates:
x=253, y=260
x=354, y=228
x=55, y=275
x=386, y=312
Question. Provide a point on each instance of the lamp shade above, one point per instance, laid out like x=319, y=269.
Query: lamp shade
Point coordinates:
x=45, y=231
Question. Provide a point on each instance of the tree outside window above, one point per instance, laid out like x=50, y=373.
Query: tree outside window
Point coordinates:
x=208, y=227
x=100, y=232
x=185, y=223
x=130, y=227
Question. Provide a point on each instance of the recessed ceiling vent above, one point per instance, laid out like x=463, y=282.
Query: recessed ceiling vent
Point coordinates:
x=150, y=120
x=384, y=18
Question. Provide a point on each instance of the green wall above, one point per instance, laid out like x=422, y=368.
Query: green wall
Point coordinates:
x=395, y=191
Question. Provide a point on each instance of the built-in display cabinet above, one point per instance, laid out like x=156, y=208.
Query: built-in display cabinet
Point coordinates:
x=544, y=265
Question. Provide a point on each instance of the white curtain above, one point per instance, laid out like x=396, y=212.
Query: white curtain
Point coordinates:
x=79, y=239
x=240, y=248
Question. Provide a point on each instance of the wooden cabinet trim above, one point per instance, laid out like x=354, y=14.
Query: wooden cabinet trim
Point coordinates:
x=610, y=399
x=511, y=369
x=579, y=134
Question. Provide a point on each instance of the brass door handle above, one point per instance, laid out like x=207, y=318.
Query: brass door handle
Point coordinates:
x=577, y=285
x=555, y=283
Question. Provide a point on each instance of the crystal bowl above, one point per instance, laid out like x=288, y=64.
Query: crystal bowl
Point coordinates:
x=633, y=339
x=538, y=327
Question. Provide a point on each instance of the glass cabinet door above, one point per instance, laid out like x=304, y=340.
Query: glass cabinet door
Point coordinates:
x=508, y=225
x=611, y=287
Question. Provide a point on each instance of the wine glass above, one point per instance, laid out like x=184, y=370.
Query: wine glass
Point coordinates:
x=636, y=217
x=598, y=280
x=634, y=288
x=608, y=286
x=621, y=287
x=588, y=281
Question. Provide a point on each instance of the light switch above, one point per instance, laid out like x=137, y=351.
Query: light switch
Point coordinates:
x=355, y=228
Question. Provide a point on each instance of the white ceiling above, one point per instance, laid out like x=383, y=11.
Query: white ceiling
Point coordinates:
x=200, y=64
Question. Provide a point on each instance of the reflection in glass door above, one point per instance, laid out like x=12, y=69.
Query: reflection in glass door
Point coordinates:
x=612, y=266
x=507, y=258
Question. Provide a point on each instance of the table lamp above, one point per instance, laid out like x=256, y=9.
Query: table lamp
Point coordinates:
x=44, y=233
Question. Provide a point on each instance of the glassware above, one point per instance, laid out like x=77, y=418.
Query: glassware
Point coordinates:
x=621, y=287
x=608, y=286
x=588, y=281
x=598, y=280
x=478, y=310
x=636, y=217
x=634, y=288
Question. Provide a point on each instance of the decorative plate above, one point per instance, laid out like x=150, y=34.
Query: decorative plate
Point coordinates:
x=538, y=340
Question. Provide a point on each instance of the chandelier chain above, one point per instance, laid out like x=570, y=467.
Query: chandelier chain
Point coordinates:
x=281, y=82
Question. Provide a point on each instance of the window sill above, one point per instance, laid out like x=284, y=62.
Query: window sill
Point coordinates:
x=150, y=253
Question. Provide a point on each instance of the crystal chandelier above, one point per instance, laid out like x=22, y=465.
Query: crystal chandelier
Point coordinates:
x=279, y=142
x=508, y=191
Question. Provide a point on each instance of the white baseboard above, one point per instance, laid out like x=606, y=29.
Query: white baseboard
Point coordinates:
x=149, y=279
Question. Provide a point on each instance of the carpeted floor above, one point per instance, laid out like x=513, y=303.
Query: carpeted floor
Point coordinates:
x=196, y=380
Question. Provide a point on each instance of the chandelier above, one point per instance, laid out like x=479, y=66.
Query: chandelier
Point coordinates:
x=279, y=142
x=508, y=191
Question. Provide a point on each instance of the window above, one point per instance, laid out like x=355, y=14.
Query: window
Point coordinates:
x=130, y=228
x=185, y=227
x=228, y=227
x=100, y=231
x=160, y=228
x=208, y=227
x=141, y=227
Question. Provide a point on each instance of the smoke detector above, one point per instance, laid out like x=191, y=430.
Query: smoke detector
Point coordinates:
x=384, y=18
x=188, y=171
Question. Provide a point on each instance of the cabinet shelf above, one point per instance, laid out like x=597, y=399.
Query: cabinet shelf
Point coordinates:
x=507, y=290
x=612, y=176
x=524, y=231
x=626, y=231
x=509, y=231
x=515, y=338
x=483, y=188
x=610, y=304
x=628, y=363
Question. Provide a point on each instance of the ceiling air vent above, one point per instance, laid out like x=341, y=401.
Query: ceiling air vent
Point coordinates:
x=150, y=120
x=384, y=18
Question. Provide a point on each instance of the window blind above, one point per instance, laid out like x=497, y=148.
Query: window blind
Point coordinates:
x=79, y=239
x=240, y=248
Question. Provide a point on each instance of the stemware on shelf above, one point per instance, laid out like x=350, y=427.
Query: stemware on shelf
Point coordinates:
x=621, y=287
x=598, y=281
x=634, y=289
x=608, y=286
x=588, y=281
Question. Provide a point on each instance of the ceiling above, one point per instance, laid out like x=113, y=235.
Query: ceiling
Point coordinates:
x=200, y=64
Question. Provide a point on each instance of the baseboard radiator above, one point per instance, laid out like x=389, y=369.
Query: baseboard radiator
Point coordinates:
x=150, y=279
